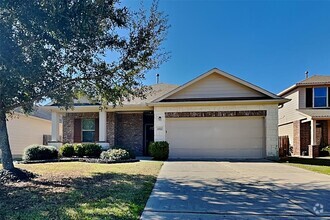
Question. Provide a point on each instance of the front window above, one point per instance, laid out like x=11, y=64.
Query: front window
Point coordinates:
x=320, y=97
x=88, y=130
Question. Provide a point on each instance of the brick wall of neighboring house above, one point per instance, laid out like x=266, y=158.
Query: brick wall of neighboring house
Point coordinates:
x=129, y=131
x=305, y=136
x=296, y=138
x=322, y=133
x=68, y=124
x=111, y=128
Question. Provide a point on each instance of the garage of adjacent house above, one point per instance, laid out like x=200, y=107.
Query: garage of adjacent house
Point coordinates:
x=218, y=116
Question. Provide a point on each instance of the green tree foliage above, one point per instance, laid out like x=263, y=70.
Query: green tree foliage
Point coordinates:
x=57, y=49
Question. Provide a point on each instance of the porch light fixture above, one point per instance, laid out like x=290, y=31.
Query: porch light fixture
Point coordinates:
x=159, y=118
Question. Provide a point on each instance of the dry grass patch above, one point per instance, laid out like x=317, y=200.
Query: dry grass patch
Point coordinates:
x=75, y=190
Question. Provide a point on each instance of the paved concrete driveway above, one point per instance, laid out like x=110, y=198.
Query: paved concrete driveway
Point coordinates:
x=238, y=190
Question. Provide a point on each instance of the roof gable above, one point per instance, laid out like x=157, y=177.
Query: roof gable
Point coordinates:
x=217, y=85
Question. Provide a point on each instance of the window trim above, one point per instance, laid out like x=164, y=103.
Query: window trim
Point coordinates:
x=82, y=129
x=326, y=97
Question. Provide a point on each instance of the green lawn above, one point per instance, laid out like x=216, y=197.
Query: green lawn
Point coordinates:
x=316, y=165
x=315, y=168
x=75, y=190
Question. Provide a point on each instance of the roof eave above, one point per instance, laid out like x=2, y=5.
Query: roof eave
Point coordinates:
x=96, y=108
x=244, y=102
x=285, y=91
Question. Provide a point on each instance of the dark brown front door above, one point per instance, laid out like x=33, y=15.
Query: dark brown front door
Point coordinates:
x=149, y=136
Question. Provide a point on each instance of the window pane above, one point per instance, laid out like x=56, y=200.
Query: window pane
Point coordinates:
x=88, y=124
x=88, y=136
x=320, y=102
x=322, y=91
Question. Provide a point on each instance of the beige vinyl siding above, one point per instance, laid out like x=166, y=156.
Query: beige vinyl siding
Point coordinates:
x=302, y=97
x=24, y=131
x=288, y=112
x=215, y=86
x=286, y=129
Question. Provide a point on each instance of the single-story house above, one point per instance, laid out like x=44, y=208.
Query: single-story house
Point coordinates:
x=305, y=119
x=24, y=130
x=215, y=115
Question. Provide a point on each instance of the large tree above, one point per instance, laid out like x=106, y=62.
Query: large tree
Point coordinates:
x=57, y=49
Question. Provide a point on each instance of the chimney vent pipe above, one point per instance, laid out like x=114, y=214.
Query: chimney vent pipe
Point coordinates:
x=157, y=78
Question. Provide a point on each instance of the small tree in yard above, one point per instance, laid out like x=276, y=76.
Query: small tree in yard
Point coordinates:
x=57, y=49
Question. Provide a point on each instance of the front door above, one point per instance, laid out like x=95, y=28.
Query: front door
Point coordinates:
x=149, y=136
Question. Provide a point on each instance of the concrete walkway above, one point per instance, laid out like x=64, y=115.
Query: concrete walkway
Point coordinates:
x=238, y=190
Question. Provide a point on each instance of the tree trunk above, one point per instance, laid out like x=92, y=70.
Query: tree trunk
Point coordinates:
x=6, y=157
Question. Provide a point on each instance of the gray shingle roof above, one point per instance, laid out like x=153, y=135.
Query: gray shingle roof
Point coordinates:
x=316, y=79
x=311, y=81
x=37, y=112
x=158, y=90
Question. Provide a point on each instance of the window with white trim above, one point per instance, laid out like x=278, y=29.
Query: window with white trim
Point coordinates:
x=88, y=130
x=320, y=97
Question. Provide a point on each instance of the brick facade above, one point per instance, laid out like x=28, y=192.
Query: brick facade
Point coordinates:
x=313, y=151
x=129, y=131
x=68, y=124
x=122, y=129
x=305, y=137
x=111, y=128
x=322, y=133
x=215, y=114
x=296, y=138
x=302, y=136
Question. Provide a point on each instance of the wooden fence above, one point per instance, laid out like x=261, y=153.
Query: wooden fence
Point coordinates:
x=284, y=146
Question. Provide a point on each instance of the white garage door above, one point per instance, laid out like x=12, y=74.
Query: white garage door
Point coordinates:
x=216, y=138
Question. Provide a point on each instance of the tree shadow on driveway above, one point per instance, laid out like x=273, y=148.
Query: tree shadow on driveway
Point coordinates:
x=259, y=197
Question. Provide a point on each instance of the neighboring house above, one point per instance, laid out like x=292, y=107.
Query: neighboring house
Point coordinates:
x=305, y=118
x=216, y=115
x=25, y=130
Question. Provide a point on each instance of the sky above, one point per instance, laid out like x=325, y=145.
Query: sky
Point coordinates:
x=268, y=43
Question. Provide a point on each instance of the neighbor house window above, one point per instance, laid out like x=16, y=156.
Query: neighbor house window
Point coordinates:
x=320, y=97
x=88, y=130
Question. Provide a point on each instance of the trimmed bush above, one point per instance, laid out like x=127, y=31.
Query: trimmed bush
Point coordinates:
x=79, y=151
x=40, y=152
x=128, y=149
x=92, y=150
x=67, y=150
x=115, y=155
x=159, y=150
x=325, y=151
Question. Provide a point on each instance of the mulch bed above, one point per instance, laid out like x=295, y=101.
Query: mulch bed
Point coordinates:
x=75, y=159
x=15, y=175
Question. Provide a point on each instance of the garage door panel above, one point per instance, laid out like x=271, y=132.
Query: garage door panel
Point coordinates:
x=215, y=153
x=241, y=137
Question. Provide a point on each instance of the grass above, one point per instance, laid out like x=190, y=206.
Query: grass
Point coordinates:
x=75, y=190
x=316, y=165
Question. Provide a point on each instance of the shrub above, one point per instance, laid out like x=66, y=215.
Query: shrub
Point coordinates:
x=325, y=151
x=115, y=155
x=159, y=150
x=128, y=149
x=79, y=150
x=40, y=152
x=92, y=150
x=67, y=150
